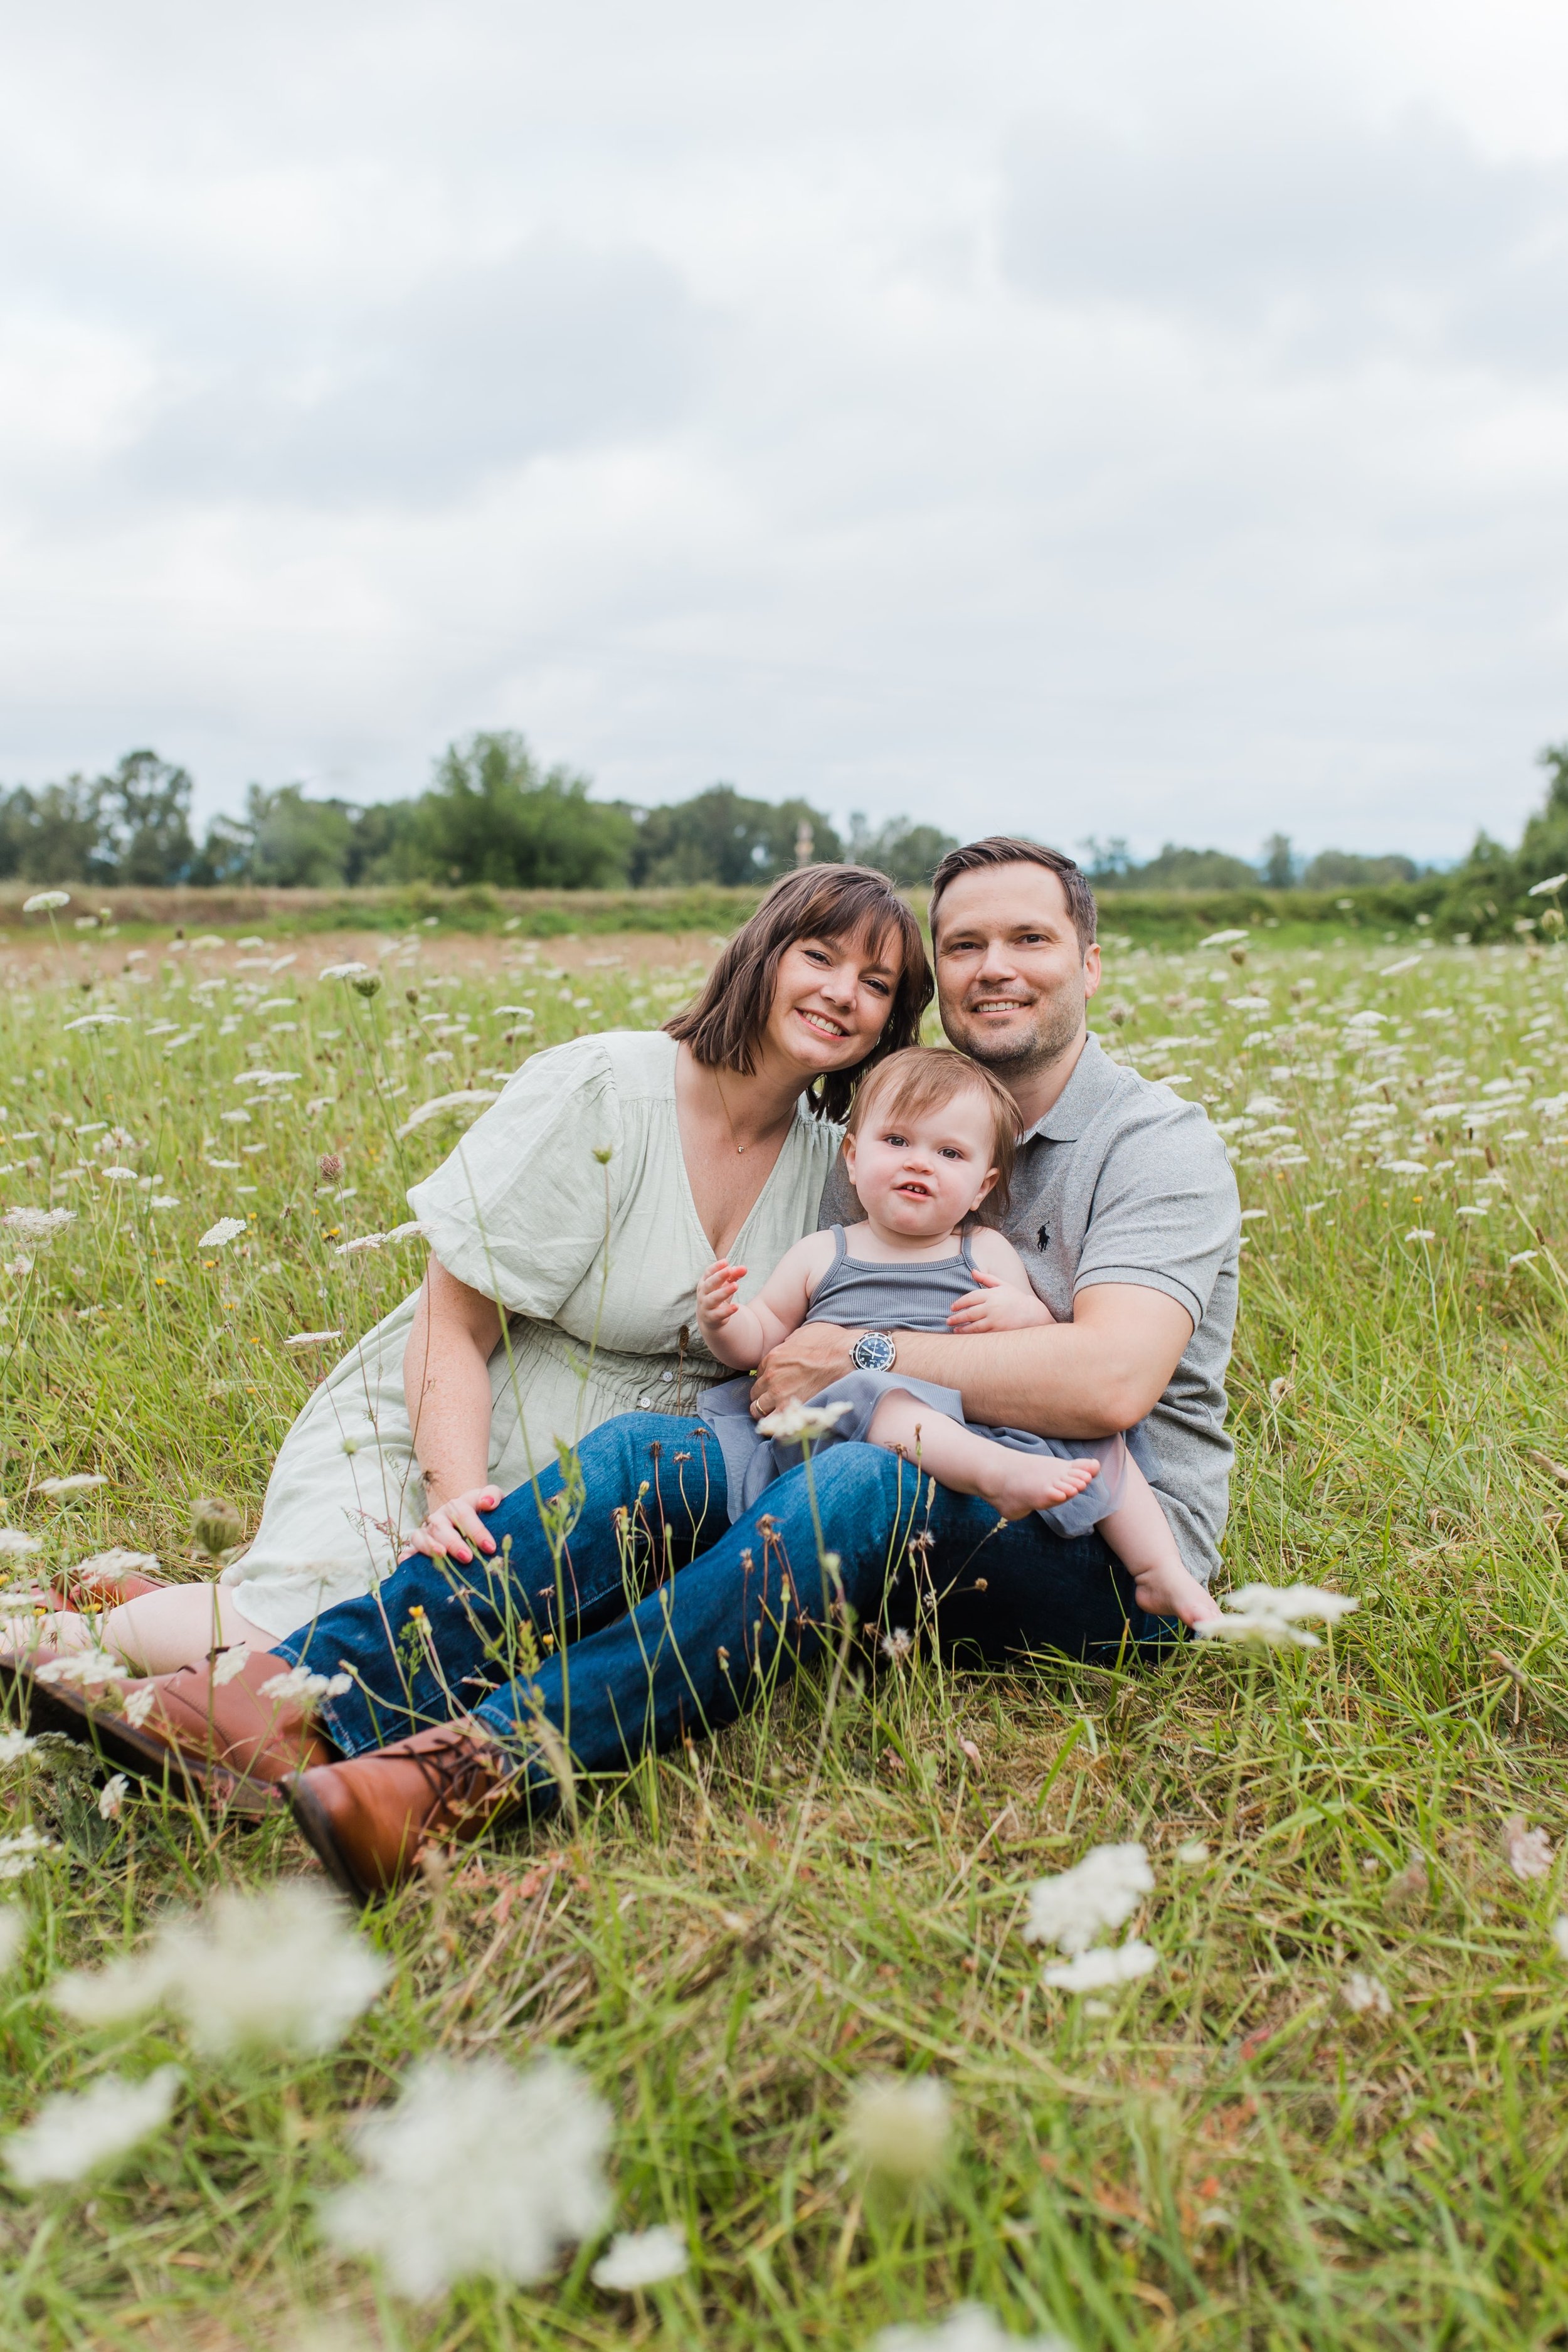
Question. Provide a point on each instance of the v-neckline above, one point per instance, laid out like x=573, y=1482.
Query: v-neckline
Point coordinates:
x=698, y=1228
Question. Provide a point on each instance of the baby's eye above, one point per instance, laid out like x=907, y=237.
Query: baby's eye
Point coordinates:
x=896, y=1142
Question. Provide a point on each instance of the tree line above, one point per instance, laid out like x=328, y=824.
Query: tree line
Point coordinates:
x=491, y=814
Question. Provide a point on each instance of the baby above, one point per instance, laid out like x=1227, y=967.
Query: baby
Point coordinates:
x=929, y=1138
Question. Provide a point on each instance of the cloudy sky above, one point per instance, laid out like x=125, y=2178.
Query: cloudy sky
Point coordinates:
x=1148, y=418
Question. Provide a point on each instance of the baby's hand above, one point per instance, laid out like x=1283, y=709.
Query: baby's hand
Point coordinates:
x=997, y=1307
x=716, y=1291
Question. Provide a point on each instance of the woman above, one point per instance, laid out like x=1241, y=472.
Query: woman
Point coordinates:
x=568, y=1231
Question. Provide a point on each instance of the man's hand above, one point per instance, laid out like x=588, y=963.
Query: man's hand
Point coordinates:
x=997, y=1307
x=798, y=1367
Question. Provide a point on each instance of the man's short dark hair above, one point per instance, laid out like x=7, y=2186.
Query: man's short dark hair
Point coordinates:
x=1005, y=849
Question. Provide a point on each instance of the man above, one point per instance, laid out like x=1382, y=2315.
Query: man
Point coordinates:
x=1124, y=1208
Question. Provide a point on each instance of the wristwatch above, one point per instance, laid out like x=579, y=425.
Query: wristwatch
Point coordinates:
x=874, y=1352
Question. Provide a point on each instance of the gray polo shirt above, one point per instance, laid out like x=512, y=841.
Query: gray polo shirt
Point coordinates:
x=1123, y=1182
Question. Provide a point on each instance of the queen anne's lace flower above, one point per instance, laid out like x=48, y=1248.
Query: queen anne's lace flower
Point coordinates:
x=279, y=1969
x=434, y=2214
x=968, y=2327
x=901, y=2127
x=642, y=2258
x=1267, y=1615
x=74, y=2132
x=793, y=1422
x=227, y=1229
x=299, y=1682
x=1077, y=1907
x=21, y=1850
x=1113, y=1964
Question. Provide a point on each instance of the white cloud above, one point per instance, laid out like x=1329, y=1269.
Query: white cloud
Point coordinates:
x=1147, y=422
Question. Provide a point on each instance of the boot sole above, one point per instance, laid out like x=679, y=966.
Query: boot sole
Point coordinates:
x=317, y=1828
x=49, y=1706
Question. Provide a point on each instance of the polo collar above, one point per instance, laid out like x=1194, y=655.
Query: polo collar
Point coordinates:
x=1087, y=1090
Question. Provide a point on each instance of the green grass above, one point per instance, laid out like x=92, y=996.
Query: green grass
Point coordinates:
x=1220, y=2156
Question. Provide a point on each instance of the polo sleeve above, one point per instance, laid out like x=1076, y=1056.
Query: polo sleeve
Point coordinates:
x=520, y=1209
x=1166, y=1214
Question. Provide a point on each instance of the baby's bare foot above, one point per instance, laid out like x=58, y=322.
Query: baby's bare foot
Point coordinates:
x=1035, y=1482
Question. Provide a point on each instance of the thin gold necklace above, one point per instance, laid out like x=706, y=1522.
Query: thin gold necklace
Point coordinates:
x=742, y=1148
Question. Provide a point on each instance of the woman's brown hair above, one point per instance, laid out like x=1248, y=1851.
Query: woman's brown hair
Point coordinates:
x=831, y=903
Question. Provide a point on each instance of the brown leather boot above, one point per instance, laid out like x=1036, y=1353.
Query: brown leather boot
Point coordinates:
x=371, y=1817
x=229, y=1739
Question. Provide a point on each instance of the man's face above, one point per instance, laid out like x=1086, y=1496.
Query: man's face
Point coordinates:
x=1012, y=983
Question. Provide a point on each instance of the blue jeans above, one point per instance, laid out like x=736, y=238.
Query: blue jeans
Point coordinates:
x=665, y=1621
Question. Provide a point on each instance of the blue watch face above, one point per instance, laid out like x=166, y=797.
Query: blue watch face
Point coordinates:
x=874, y=1352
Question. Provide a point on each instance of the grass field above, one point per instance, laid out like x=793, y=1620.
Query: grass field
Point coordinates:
x=1226, y=2152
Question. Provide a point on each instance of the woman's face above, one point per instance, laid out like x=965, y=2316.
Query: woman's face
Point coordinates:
x=831, y=1001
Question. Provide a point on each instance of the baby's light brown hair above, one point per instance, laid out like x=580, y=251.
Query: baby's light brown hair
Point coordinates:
x=926, y=1078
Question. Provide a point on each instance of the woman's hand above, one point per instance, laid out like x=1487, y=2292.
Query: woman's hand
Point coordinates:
x=716, y=1291
x=453, y=1529
x=997, y=1307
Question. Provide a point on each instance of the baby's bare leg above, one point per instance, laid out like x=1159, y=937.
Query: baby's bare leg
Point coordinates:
x=154, y=1635
x=1139, y=1533
x=1015, y=1481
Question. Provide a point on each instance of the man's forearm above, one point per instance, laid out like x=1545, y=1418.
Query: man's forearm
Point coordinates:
x=1053, y=1381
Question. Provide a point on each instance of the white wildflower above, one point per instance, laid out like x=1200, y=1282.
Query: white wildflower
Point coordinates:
x=38, y=1225
x=1192, y=1853
x=299, y=1682
x=120, y=1175
x=112, y=1797
x=165, y=1200
x=139, y=1705
x=901, y=2127
x=1522, y=1257
x=79, y=1482
x=44, y=902
x=84, y=1666
x=969, y=2326
x=1247, y=1003
x=15, y=1545
x=105, y=1567
x=795, y=1421
x=1403, y=1167
x=99, y=1021
x=15, y=1745
x=896, y=1642
x=641, y=2258
x=1560, y=1933
x=283, y=1969
x=466, y=1097
x=1267, y=1615
x=76, y=2131
x=1469, y=1209
x=363, y=1242
x=227, y=1229
x=230, y=1664
x=21, y=1850
x=1113, y=1964
x=1529, y=1851
x=341, y=971
x=433, y=2216
x=1544, y=890
x=1078, y=1905
x=310, y=1339
x=1367, y=1995
x=1421, y=1233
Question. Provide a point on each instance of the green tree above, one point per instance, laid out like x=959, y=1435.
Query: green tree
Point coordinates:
x=493, y=815
x=1343, y=870
x=51, y=834
x=145, y=822
x=720, y=837
x=1277, y=868
x=907, y=854
x=1191, y=869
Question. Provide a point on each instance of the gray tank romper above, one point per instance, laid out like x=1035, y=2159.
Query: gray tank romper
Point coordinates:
x=867, y=1295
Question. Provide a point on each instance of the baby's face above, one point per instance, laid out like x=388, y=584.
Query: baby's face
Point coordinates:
x=920, y=1176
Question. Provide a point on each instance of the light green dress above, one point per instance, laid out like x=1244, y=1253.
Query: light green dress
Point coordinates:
x=522, y=1210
